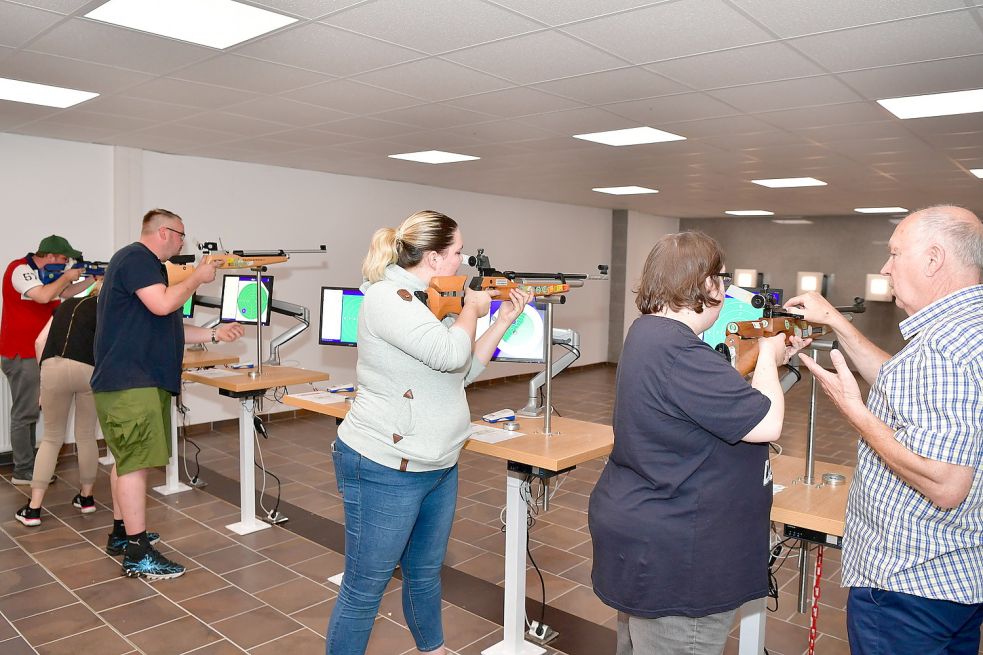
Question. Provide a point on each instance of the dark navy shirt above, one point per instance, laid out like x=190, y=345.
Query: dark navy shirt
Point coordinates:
x=134, y=347
x=680, y=515
x=73, y=328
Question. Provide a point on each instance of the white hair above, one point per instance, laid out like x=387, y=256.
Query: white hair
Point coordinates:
x=962, y=238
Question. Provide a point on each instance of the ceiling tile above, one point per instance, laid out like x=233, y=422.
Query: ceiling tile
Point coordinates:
x=52, y=129
x=108, y=122
x=279, y=109
x=709, y=127
x=19, y=24
x=60, y=6
x=657, y=111
x=59, y=71
x=307, y=8
x=675, y=29
x=787, y=94
x=433, y=117
x=84, y=39
x=499, y=132
x=368, y=128
x=189, y=93
x=749, y=65
x=433, y=26
x=613, y=86
x=238, y=125
x=917, y=39
x=13, y=114
x=249, y=74
x=153, y=110
x=580, y=121
x=955, y=74
x=853, y=112
x=352, y=97
x=557, y=13
x=847, y=132
x=432, y=80
x=798, y=17
x=517, y=101
x=180, y=133
x=328, y=50
x=311, y=138
x=536, y=58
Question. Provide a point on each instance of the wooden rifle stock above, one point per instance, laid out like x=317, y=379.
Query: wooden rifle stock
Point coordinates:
x=445, y=294
x=177, y=273
x=741, y=343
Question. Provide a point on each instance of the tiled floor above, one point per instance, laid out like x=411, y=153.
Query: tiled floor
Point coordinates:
x=268, y=593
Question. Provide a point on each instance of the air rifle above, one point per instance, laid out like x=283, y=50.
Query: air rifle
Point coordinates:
x=180, y=267
x=445, y=294
x=740, y=346
x=52, y=272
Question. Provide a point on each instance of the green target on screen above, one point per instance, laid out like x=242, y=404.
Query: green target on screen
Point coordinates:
x=246, y=301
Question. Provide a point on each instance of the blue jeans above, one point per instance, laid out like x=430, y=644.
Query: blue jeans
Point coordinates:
x=391, y=517
x=883, y=622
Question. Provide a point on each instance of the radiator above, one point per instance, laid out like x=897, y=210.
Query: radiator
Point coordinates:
x=4, y=414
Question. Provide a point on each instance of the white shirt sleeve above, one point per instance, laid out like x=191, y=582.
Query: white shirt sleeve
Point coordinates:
x=24, y=278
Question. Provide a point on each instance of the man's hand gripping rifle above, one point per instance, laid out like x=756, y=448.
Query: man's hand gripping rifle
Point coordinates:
x=740, y=346
x=445, y=295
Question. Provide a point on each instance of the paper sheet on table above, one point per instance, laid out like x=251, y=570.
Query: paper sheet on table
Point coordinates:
x=776, y=488
x=215, y=372
x=488, y=434
x=320, y=397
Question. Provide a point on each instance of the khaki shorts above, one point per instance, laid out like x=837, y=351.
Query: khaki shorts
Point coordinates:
x=137, y=426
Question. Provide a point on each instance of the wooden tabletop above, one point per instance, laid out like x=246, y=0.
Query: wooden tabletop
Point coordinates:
x=572, y=442
x=273, y=376
x=206, y=358
x=337, y=410
x=821, y=508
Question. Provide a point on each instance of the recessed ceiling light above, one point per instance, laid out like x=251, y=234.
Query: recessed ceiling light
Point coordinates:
x=624, y=190
x=630, y=137
x=978, y=172
x=214, y=23
x=791, y=221
x=42, y=94
x=749, y=212
x=784, y=182
x=434, y=157
x=935, y=104
x=881, y=210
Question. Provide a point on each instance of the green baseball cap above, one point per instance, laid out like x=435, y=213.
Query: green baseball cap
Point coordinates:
x=57, y=245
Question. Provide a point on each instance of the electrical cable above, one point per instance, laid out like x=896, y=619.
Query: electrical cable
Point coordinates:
x=182, y=411
x=261, y=465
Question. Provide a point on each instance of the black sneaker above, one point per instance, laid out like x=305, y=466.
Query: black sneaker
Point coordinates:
x=116, y=545
x=151, y=565
x=86, y=504
x=28, y=516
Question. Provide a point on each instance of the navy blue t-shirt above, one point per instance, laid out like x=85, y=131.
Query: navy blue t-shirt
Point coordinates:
x=134, y=347
x=680, y=515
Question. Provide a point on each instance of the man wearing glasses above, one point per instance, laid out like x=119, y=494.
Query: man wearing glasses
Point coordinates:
x=139, y=346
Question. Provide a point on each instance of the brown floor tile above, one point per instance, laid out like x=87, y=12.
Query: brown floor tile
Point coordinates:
x=293, y=551
x=59, y=623
x=555, y=560
x=34, y=543
x=23, y=578
x=389, y=638
x=462, y=627
x=458, y=552
x=256, y=627
x=487, y=566
x=221, y=648
x=260, y=576
x=179, y=636
x=101, y=640
x=316, y=617
x=264, y=538
x=84, y=574
x=295, y=595
x=221, y=604
x=14, y=558
x=200, y=543
x=302, y=642
x=229, y=559
x=193, y=583
x=582, y=602
x=142, y=614
x=34, y=601
x=322, y=567
x=115, y=592
x=212, y=514
x=16, y=646
x=73, y=554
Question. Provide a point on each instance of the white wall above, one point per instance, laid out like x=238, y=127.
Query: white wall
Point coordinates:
x=643, y=231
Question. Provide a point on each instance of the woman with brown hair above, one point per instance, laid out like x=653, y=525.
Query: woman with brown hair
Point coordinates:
x=679, y=516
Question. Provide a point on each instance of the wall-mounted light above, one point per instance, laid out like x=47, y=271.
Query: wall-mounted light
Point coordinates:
x=748, y=278
x=810, y=281
x=878, y=288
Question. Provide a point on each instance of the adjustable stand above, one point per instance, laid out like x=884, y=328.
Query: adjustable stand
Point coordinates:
x=248, y=522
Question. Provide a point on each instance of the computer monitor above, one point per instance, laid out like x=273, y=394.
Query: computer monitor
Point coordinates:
x=239, y=299
x=339, y=316
x=523, y=341
x=188, y=308
x=738, y=307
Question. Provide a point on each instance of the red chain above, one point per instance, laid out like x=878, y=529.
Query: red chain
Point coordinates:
x=815, y=601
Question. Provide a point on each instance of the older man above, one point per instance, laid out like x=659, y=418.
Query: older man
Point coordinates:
x=138, y=351
x=913, y=548
x=27, y=305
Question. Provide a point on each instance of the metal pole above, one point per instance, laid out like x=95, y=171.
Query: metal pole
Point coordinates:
x=258, y=370
x=803, y=575
x=811, y=437
x=548, y=343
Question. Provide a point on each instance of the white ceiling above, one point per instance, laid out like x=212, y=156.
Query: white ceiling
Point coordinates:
x=760, y=88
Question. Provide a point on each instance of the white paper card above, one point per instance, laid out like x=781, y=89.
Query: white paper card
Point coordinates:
x=319, y=397
x=487, y=434
x=216, y=373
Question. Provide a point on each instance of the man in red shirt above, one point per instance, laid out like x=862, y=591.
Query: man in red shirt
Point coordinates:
x=27, y=305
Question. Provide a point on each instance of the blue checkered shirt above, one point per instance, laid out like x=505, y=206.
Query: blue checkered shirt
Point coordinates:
x=931, y=395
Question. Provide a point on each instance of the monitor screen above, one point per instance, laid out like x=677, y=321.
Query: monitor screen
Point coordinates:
x=188, y=308
x=734, y=309
x=523, y=341
x=339, y=316
x=239, y=299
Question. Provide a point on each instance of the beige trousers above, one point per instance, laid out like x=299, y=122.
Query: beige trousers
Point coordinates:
x=64, y=380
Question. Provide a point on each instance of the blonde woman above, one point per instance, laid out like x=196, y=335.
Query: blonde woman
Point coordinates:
x=396, y=453
x=64, y=349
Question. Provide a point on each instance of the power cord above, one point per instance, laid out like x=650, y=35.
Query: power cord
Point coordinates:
x=182, y=411
x=259, y=428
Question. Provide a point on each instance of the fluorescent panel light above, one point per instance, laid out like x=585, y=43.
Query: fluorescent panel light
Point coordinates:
x=42, y=94
x=624, y=190
x=978, y=172
x=749, y=212
x=784, y=182
x=809, y=281
x=878, y=288
x=630, y=137
x=791, y=221
x=214, y=23
x=935, y=104
x=880, y=210
x=434, y=157
x=746, y=278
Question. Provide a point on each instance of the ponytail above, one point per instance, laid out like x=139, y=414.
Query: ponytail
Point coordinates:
x=422, y=232
x=382, y=253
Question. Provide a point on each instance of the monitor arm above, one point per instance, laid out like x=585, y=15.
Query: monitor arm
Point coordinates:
x=560, y=337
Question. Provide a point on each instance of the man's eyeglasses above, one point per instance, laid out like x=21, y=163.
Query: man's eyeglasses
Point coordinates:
x=177, y=232
x=726, y=278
